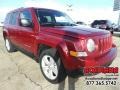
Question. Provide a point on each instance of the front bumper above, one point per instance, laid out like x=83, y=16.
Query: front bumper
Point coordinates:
x=103, y=60
x=76, y=64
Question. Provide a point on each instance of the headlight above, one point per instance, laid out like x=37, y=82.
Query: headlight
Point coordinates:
x=90, y=45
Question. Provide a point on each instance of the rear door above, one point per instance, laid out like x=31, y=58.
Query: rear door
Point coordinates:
x=12, y=27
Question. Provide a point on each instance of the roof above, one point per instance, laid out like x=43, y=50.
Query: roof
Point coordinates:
x=22, y=8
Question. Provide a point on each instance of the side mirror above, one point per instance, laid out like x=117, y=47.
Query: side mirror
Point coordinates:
x=26, y=23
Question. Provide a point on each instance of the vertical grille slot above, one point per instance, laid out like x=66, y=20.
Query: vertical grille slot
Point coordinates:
x=105, y=44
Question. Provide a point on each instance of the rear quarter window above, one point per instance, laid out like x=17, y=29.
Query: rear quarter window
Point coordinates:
x=13, y=18
x=7, y=18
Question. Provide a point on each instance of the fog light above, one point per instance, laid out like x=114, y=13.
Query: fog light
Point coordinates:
x=78, y=54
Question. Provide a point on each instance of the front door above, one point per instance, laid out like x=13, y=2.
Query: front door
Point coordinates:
x=27, y=36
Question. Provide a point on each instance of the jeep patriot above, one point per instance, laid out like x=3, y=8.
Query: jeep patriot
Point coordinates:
x=59, y=45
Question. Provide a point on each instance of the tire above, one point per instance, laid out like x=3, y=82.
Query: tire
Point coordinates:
x=51, y=66
x=111, y=32
x=9, y=46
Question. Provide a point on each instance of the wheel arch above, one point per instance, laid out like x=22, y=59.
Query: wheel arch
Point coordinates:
x=60, y=48
x=39, y=49
x=5, y=34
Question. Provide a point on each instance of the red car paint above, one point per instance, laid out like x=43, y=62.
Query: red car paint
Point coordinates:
x=64, y=39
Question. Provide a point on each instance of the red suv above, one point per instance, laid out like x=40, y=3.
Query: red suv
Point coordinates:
x=59, y=45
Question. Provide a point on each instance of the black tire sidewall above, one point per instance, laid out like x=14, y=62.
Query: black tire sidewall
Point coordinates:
x=12, y=49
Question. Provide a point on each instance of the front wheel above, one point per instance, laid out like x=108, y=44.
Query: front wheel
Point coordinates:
x=51, y=66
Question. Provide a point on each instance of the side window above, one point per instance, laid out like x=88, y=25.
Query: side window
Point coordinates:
x=49, y=19
x=7, y=18
x=10, y=19
x=25, y=15
x=13, y=18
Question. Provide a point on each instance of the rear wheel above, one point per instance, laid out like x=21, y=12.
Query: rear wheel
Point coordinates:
x=51, y=66
x=9, y=46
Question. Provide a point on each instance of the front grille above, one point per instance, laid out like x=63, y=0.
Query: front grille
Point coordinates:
x=105, y=44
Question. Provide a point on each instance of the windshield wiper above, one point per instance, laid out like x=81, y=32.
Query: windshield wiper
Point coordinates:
x=48, y=24
x=65, y=24
x=57, y=24
x=73, y=24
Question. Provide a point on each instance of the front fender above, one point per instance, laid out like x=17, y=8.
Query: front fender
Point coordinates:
x=64, y=54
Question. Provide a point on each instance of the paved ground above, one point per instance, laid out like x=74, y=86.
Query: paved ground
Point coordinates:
x=19, y=72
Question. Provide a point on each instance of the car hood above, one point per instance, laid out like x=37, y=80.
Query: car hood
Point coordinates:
x=76, y=31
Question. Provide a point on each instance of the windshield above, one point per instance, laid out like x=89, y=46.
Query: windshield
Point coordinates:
x=53, y=18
